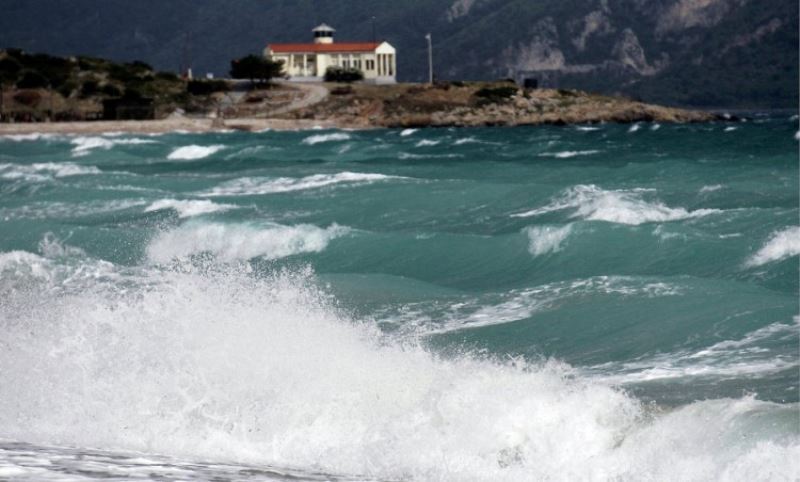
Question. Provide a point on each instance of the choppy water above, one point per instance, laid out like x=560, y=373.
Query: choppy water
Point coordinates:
x=577, y=303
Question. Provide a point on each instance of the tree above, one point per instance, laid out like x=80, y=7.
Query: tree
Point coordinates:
x=255, y=68
x=32, y=79
x=9, y=70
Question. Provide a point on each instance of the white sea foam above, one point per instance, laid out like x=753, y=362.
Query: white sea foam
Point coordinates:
x=427, y=143
x=634, y=128
x=62, y=210
x=727, y=359
x=188, y=208
x=783, y=244
x=655, y=127
x=231, y=242
x=84, y=145
x=408, y=155
x=29, y=137
x=466, y=140
x=425, y=319
x=253, y=186
x=247, y=151
x=711, y=188
x=408, y=132
x=731, y=129
x=189, y=153
x=568, y=154
x=320, y=138
x=231, y=366
x=45, y=171
x=547, y=239
x=587, y=128
x=592, y=203
x=797, y=136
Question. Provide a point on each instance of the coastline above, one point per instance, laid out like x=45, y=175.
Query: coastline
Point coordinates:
x=337, y=106
x=162, y=126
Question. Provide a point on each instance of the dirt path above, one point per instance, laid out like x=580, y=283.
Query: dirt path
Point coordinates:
x=314, y=94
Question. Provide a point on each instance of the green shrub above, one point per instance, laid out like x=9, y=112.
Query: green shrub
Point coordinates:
x=206, y=87
x=168, y=76
x=32, y=79
x=9, y=70
x=89, y=88
x=123, y=73
x=140, y=66
x=132, y=92
x=67, y=88
x=111, y=90
x=495, y=95
x=342, y=74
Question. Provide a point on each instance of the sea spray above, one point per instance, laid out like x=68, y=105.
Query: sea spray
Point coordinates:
x=226, y=363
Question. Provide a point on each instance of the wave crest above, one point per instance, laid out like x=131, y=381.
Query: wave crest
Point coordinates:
x=190, y=153
x=592, y=203
x=783, y=244
x=547, y=239
x=233, y=242
x=321, y=138
x=188, y=208
x=253, y=186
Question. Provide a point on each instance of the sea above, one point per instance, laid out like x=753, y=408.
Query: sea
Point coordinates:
x=579, y=303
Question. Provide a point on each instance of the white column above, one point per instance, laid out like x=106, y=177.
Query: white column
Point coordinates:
x=305, y=65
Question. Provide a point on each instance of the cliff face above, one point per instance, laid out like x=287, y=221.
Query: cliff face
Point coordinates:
x=693, y=52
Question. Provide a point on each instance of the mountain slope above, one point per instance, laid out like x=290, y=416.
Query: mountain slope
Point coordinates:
x=693, y=52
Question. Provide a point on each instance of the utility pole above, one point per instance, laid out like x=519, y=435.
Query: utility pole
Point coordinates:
x=430, y=59
x=373, y=30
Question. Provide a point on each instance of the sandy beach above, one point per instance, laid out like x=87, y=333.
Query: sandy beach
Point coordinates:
x=162, y=126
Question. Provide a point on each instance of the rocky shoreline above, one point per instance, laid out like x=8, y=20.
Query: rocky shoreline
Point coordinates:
x=482, y=104
x=364, y=106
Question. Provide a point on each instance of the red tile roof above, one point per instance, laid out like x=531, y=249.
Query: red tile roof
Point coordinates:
x=324, y=48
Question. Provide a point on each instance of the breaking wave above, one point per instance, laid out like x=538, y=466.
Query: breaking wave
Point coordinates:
x=188, y=208
x=29, y=137
x=782, y=245
x=592, y=203
x=568, y=154
x=84, y=145
x=232, y=242
x=252, y=186
x=320, y=138
x=547, y=239
x=189, y=153
x=226, y=364
x=45, y=171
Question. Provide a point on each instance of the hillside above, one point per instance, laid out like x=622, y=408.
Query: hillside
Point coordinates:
x=712, y=53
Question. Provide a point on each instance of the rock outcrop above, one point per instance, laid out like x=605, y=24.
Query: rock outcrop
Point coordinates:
x=482, y=104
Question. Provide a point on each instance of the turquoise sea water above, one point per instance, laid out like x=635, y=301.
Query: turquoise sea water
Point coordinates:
x=563, y=303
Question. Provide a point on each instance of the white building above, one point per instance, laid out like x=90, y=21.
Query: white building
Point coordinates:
x=310, y=61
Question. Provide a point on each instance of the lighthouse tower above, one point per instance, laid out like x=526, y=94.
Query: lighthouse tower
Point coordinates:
x=323, y=34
